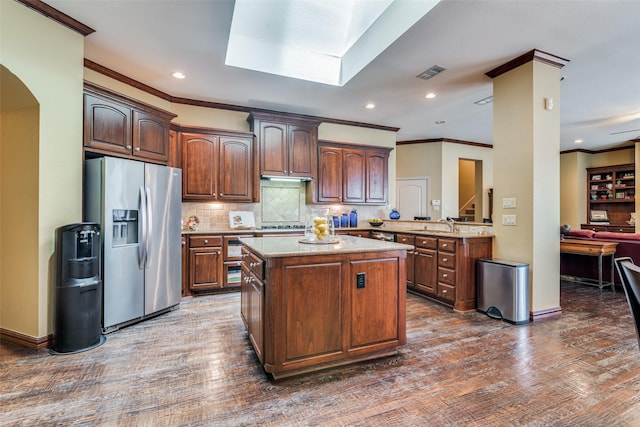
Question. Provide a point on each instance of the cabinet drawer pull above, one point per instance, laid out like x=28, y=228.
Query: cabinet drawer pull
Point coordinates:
x=137, y=148
x=444, y=245
x=444, y=291
x=206, y=241
x=444, y=275
x=445, y=259
x=128, y=147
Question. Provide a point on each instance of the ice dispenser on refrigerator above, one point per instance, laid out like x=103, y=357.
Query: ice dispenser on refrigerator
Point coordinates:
x=78, y=295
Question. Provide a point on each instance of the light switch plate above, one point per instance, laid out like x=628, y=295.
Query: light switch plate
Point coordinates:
x=509, y=203
x=508, y=220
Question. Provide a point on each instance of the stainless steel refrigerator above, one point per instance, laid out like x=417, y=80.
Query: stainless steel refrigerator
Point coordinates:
x=138, y=206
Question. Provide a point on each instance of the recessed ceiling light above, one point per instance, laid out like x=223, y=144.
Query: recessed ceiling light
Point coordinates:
x=178, y=75
x=430, y=95
x=578, y=141
x=370, y=106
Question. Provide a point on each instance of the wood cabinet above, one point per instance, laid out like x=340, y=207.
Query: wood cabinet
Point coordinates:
x=217, y=167
x=408, y=239
x=120, y=126
x=426, y=266
x=205, y=263
x=211, y=263
x=351, y=174
x=315, y=311
x=445, y=268
x=287, y=145
x=612, y=189
x=252, y=302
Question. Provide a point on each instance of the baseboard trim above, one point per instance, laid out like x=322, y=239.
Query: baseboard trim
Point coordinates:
x=546, y=314
x=34, y=343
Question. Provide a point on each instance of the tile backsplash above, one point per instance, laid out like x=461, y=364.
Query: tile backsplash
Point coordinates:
x=280, y=203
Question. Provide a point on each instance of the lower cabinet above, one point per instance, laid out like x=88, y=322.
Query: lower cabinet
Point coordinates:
x=252, y=300
x=426, y=265
x=205, y=263
x=444, y=269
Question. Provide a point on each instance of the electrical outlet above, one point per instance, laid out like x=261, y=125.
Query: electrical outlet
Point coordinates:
x=360, y=280
x=509, y=203
x=508, y=220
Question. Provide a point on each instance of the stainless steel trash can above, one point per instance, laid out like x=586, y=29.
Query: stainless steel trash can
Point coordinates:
x=503, y=290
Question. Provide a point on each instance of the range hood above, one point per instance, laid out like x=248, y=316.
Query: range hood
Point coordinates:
x=286, y=178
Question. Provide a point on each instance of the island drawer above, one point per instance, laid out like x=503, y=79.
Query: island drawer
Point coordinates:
x=253, y=263
x=447, y=245
x=426, y=242
x=447, y=259
x=205, y=241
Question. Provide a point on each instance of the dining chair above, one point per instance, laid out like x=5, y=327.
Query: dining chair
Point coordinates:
x=630, y=277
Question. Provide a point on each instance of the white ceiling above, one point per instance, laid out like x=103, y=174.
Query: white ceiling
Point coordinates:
x=147, y=40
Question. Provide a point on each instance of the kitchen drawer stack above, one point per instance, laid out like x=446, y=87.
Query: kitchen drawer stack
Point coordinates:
x=444, y=269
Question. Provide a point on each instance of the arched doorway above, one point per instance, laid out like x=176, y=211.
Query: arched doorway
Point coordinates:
x=19, y=190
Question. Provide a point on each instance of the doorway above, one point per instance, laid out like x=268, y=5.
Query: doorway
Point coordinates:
x=470, y=196
x=412, y=197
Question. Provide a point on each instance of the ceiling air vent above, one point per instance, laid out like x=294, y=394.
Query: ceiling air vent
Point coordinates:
x=435, y=70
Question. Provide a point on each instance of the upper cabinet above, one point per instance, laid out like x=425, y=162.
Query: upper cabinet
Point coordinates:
x=287, y=145
x=217, y=166
x=351, y=174
x=120, y=126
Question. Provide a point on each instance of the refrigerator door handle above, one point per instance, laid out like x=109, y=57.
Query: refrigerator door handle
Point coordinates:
x=149, y=226
x=142, y=246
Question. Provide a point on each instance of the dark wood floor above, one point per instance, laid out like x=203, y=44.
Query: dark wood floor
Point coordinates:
x=194, y=366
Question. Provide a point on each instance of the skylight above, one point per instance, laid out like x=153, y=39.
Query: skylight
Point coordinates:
x=325, y=41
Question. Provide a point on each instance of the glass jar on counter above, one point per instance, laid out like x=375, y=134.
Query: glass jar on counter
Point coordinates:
x=319, y=225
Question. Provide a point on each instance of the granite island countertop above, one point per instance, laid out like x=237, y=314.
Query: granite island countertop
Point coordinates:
x=274, y=247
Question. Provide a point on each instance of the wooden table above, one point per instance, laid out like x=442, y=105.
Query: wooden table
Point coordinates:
x=592, y=248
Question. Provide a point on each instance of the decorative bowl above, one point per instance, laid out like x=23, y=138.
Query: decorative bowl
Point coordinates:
x=376, y=223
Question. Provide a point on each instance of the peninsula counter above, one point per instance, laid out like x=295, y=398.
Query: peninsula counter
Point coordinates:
x=312, y=306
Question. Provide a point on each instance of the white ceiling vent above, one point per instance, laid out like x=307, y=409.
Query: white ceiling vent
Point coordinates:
x=433, y=71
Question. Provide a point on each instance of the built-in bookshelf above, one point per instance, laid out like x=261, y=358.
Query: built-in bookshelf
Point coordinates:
x=611, y=189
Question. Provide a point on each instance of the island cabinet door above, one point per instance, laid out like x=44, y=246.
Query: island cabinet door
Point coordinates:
x=374, y=304
x=312, y=319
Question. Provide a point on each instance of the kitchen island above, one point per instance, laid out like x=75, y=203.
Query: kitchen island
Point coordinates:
x=313, y=306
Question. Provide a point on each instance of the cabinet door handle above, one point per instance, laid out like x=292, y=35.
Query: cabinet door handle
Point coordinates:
x=184, y=243
x=444, y=291
x=128, y=147
x=137, y=148
x=444, y=276
x=444, y=245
